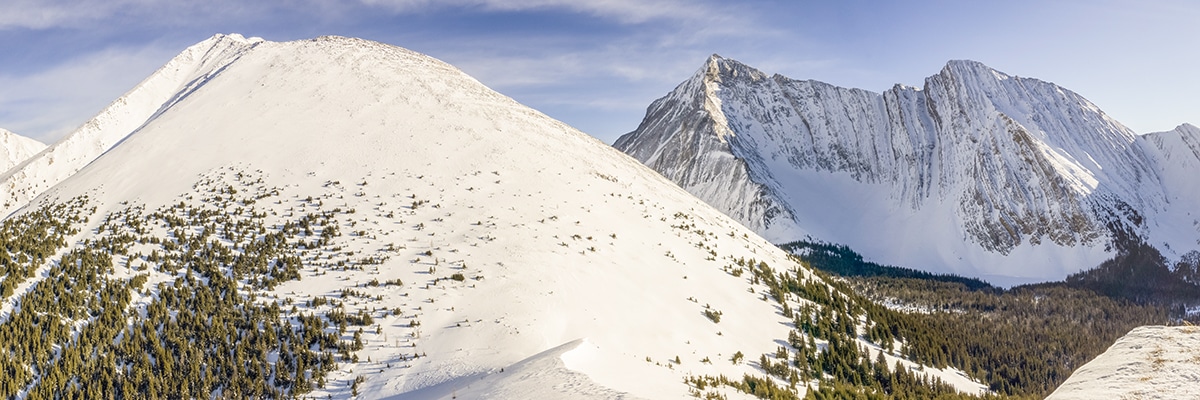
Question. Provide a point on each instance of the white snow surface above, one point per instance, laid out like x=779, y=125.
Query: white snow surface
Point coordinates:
x=1149, y=362
x=978, y=173
x=15, y=148
x=580, y=281
x=185, y=73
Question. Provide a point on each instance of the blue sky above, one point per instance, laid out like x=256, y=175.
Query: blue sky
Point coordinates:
x=597, y=64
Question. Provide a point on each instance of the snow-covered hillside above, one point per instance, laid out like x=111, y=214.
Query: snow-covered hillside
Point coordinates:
x=15, y=148
x=978, y=173
x=1150, y=362
x=498, y=253
x=188, y=71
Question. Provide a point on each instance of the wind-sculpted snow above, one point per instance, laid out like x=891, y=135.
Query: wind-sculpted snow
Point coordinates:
x=171, y=83
x=977, y=172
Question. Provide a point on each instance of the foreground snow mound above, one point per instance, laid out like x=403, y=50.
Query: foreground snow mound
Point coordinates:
x=978, y=173
x=171, y=83
x=1150, y=362
x=15, y=148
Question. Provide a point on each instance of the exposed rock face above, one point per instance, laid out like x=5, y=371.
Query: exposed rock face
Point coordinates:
x=984, y=164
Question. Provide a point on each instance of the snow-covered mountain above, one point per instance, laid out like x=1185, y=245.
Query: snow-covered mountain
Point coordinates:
x=15, y=148
x=185, y=73
x=1150, y=362
x=497, y=252
x=978, y=172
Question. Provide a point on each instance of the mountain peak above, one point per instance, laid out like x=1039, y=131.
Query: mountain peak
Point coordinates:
x=339, y=39
x=715, y=63
x=972, y=68
x=720, y=68
x=237, y=37
x=227, y=38
x=965, y=63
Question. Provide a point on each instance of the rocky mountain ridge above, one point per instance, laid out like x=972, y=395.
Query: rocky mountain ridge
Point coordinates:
x=978, y=172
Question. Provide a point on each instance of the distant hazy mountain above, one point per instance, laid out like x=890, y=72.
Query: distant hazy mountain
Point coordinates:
x=978, y=173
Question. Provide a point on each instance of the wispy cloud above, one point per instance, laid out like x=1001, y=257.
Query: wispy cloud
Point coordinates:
x=90, y=14
x=50, y=103
x=624, y=11
x=42, y=14
x=35, y=14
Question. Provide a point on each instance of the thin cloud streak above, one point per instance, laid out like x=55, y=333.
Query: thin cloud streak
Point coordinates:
x=35, y=14
x=623, y=11
x=116, y=15
x=51, y=103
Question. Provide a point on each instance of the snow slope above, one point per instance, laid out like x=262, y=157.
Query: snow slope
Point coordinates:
x=978, y=173
x=584, y=273
x=1150, y=362
x=158, y=92
x=15, y=148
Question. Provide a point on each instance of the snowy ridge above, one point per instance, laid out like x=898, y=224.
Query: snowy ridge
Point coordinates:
x=679, y=142
x=15, y=148
x=180, y=76
x=1002, y=176
x=581, y=273
x=1149, y=362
